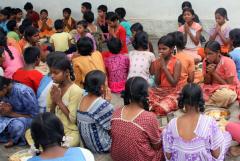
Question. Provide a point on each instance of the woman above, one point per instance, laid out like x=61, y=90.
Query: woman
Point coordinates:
x=48, y=133
x=19, y=105
x=135, y=131
x=194, y=136
x=64, y=97
x=221, y=84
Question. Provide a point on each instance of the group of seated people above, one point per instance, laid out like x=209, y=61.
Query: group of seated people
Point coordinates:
x=57, y=95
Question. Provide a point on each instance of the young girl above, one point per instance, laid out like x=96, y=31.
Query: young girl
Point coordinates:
x=116, y=30
x=64, y=98
x=48, y=133
x=141, y=59
x=135, y=131
x=101, y=20
x=45, y=24
x=163, y=98
x=221, y=84
x=117, y=66
x=94, y=30
x=220, y=32
x=12, y=58
x=18, y=106
x=94, y=114
x=86, y=60
x=83, y=32
x=235, y=43
x=194, y=136
x=69, y=22
x=192, y=32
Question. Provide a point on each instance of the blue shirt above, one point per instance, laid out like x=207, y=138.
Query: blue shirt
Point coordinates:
x=235, y=55
x=72, y=154
x=127, y=27
x=4, y=26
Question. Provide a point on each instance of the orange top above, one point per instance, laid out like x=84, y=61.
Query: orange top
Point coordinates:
x=14, y=43
x=22, y=43
x=45, y=33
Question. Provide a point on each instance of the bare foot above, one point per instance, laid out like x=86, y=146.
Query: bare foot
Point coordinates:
x=9, y=144
x=235, y=151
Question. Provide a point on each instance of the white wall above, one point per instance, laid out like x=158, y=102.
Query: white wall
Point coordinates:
x=157, y=16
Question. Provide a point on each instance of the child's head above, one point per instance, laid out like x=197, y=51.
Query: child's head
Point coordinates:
x=4, y=14
x=19, y=13
x=179, y=40
x=31, y=55
x=61, y=70
x=94, y=82
x=86, y=6
x=112, y=19
x=4, y=84
x=166, y=46
x=59, y=24
x=121, y=12
x=12, y=25
x=13, y=14
x=191, y=96
x=102, y=10
x=31, y=34
x=82, y=26
x=43, y=14
x=85, y=46
x=25, y=24
x=114, y=45
x=221, y=16
x=28, y=7
x=234, y=36
x=3, y=44
x=47, y=131
x=89, y=17
x=135, y=28
x=213, y=51
x=188, y=15
x=136, y=91
x=186, y=4
x=66, y=13
x=140, y=41
x=54, y=56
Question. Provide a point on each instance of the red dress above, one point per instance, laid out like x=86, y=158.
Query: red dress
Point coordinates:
x=31, y=78
x=132, y=140
x=121, y=34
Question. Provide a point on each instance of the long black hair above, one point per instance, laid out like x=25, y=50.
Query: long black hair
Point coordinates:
x=213, y=46
x=191, y=95
x=3, y=43
x=136, y=90
x=4, y=82
x=47, y=130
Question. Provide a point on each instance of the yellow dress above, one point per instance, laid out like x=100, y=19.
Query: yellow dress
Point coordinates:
x=84, y=64
x=71, y=99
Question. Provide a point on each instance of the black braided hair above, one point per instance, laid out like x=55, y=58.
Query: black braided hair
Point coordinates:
x=3, y=43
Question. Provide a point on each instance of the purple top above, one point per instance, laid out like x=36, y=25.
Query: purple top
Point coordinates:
x=225, y=29
x=77, y=37
x=208, y=137
x=117, y=67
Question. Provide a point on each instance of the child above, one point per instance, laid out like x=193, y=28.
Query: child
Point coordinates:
x=31, y=35
x=86, y=7
x=69, y=22
x=94, y=114
x=117, y=66
x=60, y=41
x=220, y=32
x=87, y=60
x=3, y=19
x=121, y=12
x=12, y=30
x=28, y=75
x=12, y=58
x=192, y=32
x=101, y=19
x=18, y=108
x=31, y=14
x=137, y=27
x=48, y=132
x=194, y=136
x=83, y=32
x=141, y=59
x=19, y=16
x=94, y=30
x=64, y=97
x=133, y=128
x=235, y=54
x=163, y=98
x=45, y=24
x=116, y=30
